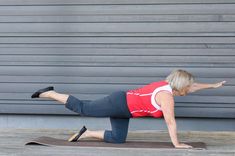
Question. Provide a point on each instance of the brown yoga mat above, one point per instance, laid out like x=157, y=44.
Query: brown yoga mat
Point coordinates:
x=49, y=141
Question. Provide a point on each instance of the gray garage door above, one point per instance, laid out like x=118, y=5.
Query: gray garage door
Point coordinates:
x=90, y=48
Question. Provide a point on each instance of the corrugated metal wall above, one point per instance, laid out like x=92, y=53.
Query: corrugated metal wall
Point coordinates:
x=90, y=48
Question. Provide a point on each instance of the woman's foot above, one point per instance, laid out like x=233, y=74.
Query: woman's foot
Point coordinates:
x=77, y=136
x=42, y=92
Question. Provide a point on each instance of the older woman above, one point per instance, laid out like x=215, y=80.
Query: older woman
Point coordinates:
x=155, y=99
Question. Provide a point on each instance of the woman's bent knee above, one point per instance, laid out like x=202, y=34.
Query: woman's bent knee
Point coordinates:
x=114, y=138
x=118, y=141
x=74, y=104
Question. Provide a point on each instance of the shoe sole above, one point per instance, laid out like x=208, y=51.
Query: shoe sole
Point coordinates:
x=76, y=136
x=73, y=137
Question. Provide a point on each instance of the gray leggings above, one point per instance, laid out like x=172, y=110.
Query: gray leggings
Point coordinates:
x=113, y=106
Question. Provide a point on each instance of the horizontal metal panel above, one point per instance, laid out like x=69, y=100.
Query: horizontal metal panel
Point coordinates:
x=211, y=100
x=117, y=18
x=117, y=40
x=119, y=27
x=205, y=112
x=118, y=9
x=122, y=34
x=124, y=46
x=112, y=71
x=100, y=80
x=121, y=64
x=95, y=2
x=34, y=109
x=115, y=59
x=86, y=80
x=75, y=51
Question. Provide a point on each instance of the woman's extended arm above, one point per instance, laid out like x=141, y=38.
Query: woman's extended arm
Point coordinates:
x=167, y=104
x=199, y=86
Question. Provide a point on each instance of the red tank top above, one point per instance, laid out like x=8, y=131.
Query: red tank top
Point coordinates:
x=141, y=102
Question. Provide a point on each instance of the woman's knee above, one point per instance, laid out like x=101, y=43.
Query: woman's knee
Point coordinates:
x=115, y=137
x=118, y=140
x=74, y=104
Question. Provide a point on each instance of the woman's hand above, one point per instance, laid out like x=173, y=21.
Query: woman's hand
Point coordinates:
x=217, y=85
x=181, y=145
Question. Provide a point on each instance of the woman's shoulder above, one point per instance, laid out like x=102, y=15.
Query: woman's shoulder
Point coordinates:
x=164, y=96
x=159, y=83
x=161, y=86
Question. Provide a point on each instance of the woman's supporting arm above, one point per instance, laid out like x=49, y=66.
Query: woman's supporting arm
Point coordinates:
x=199, y=86
x=167, y=104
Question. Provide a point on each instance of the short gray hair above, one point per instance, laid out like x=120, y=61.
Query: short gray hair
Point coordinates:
x=179, y=79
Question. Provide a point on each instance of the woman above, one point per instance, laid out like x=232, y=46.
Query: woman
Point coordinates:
x=155, y=99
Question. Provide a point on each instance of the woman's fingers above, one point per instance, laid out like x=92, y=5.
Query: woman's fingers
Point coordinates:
x=216, y=85
x=181, y=145
x=223, y=82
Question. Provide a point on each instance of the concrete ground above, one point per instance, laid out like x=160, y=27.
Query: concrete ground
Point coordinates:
x=12, y=143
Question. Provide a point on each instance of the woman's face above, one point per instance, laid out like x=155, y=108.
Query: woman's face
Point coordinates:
x=182, y=92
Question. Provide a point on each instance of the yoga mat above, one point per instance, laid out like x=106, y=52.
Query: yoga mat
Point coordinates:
x=49, y=141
